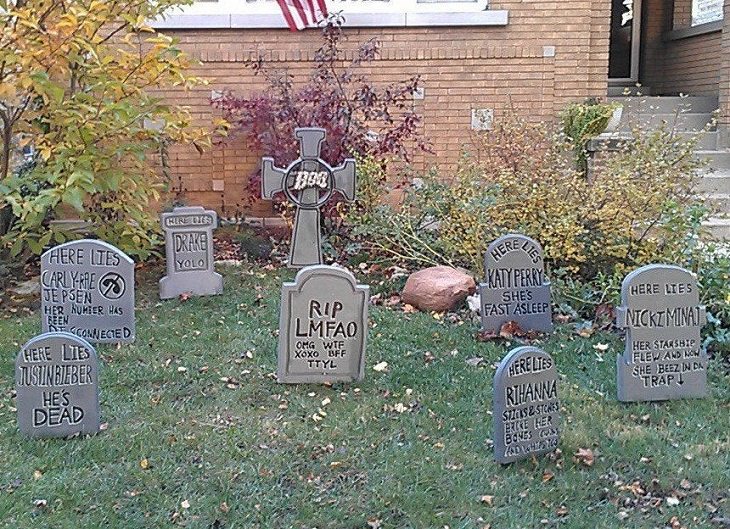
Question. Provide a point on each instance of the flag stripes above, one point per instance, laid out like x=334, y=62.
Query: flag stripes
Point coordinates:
x=300, y=14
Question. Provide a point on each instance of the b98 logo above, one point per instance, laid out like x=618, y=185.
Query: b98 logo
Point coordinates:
x=309, y=179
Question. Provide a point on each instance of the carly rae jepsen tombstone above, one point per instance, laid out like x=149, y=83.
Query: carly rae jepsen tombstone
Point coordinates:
x=526, y=411
x=663, y=357
x=189, y=253
x=57, y=386
x=515, y=288
x=87, y=289
x=323, y=327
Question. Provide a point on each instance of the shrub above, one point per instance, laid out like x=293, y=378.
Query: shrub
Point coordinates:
x=639, y=207
x=77, y=84
x=359, y=116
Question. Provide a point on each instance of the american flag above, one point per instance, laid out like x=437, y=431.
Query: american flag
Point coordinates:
x=300, y=14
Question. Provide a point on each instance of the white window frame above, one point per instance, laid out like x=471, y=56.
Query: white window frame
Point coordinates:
x=359, y=13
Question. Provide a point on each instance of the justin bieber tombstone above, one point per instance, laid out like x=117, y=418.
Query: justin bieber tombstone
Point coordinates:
x=308, y=183
x=57, y=386
x=323, y=327
x=87, y=289
x=189, y=253
x=662, y=315
x=515, y=288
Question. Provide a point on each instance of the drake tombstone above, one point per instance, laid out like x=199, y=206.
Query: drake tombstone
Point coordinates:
x=57, y=388
x=308, y=183
x=87, y=289
x=323, y=327
x=189, y=253
x=663, y=357
x=526, y=407
x=515, y=288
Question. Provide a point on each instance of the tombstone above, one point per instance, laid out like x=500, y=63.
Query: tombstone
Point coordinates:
x=516, y=288
x=663, y=357
x=189, y=253
x=308, y=183
x=57, y=386
x=526, y=407
x=323, y=327
x=87, y=289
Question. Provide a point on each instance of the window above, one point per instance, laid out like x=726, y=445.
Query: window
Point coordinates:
x=358, y=13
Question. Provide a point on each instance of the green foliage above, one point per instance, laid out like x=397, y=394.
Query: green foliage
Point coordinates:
x=76, y=82
x=583, y=121
x=639, y=208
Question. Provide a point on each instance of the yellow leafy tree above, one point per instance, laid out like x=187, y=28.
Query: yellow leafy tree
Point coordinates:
x=77, y=83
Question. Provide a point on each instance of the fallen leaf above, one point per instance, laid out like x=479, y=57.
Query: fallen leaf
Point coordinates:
x=547, y=476
x=145, y=464
x=37, y=474
x=184, y=297
x=672, y=501
x=40, y=504
x=185, y=504
x=380, y=367
x=224, y=507
x=475, y=361
x=584, y=456
x=562, y=511
x=487, y=499
x=510, y=329
x=601, y=347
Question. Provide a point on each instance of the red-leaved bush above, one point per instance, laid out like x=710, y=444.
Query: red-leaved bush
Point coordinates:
x=359, y=117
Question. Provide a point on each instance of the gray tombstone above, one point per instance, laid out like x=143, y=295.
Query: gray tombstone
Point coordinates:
x=189, y=253
x=663, y=358
x=308, y=183
x=323, y=327
x=526, y=412
x=87, y=289
x=57, y=386
x=516, y=288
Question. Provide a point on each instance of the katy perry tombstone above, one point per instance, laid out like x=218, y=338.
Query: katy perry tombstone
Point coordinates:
x=87, y=289
x=663, y=358
x=308, y=183
x=323, y=327
x=515, y=288
x=526, y=411
x=189, y=253
x=57, y=386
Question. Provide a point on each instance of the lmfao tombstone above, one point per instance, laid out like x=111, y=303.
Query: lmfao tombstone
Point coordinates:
x=515, y=288
x=663, y=358
x=526, y=408
x=323, y=327
x=57, y=386
x=87, y=289
x=189, y=253
x=308, y=183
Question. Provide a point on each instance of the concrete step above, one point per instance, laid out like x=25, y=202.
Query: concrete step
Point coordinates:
x=714, y=182
x=718, y=160
x=719, y=227
x=628, y=91
x=705, y=140
x=719, y=202
x=683, y=121
x=667, y=104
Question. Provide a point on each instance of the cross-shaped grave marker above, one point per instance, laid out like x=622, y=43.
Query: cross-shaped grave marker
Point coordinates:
x=308, y=183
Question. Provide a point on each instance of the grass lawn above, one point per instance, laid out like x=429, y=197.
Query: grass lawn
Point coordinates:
x=200, y=435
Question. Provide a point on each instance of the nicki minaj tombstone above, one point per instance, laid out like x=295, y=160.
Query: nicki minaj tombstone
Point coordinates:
x=189, y=253
x=526, y=411
x=663, y=358
x=323, y=327
x=57, y=387
x=308, y=183
x=87, y=289
x=515, y=288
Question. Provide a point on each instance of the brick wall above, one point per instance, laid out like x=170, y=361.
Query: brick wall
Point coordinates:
x=690, y=65
x=724, y=125
x=462, y=68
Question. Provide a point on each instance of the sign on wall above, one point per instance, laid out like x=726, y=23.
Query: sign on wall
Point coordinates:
x=706, y=11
